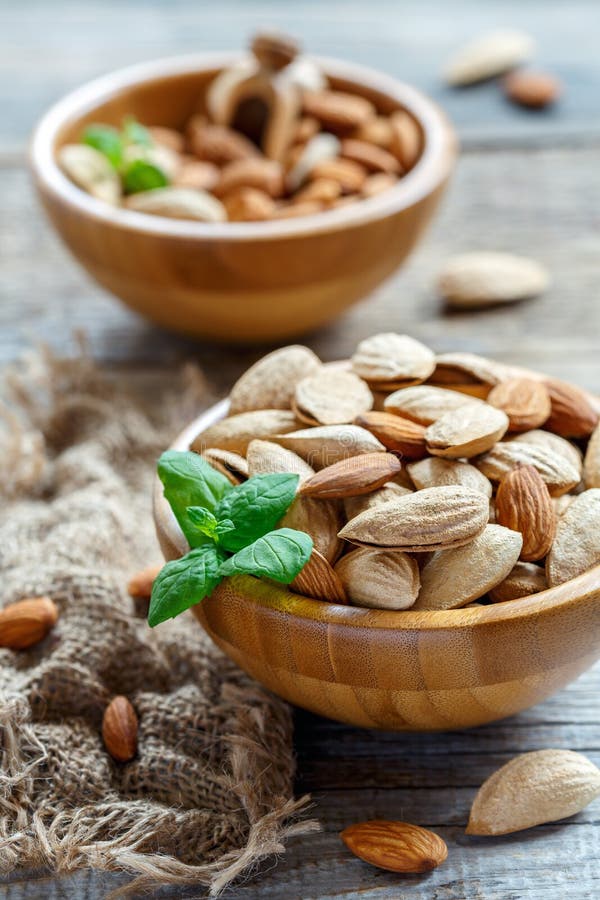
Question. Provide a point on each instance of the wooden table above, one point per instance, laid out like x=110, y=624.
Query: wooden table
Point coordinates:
x=526, y=183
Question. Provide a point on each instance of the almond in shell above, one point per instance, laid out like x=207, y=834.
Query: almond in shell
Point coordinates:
x=525, y=579
x=389, y=361
x=255, y=172
x=525, y=401
x=488, y=56
x=349, y=175
x=406, y=140
x=233, y=466
x=466, y=432
x=434, y=471
x=395, y=846
x=453, y=578
x=534, y=788
x=331, y=397
x=373, y=158
x=397, y=434
x=576, y=547
x=523, y=503
x=379, y=579
x=267, y=458
x=558, y=472
x=351, y=477
x=321, y=519
x=319, y=581
x=425, y=403
x=591, y=466
x=327, y=444
x=336, y=110
x=236, y=432
x=271, y=382
x=388, y=492
x=178, y=203
x=468, y=372
x=483, y=279
x=433, y=519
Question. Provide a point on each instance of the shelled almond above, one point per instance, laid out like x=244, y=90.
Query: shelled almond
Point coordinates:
x=274, y=141
x=438, y=498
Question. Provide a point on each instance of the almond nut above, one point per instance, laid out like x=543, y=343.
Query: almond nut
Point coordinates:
x=524, y=580
x=397, y=434
x=236, y=432
x=330, y=397
x=483, y=278
x=247, y=204
x=406, y=139
x=337, y=111
x=526, y=402
x=140, y=585
x=265, y=175
x=572, y=415
x=576, y=547
x=267, y=458
x=395, y=846
x=534, y=90
x=467, y=431
x=425, y=403
x=178, y=203
x=559, y=473
x=523, y=503
x=326, y=444
x=379, y=579
x=389, y=359
x=434, y=471
x=373, y=158
x=319, y=581
x=217, y=143
x=390, y=491
x=591, y=466
x=488, y=56
x=120, y=729
x=26, y=622
x=271, y=382
x=352, y=477
x=349, y=175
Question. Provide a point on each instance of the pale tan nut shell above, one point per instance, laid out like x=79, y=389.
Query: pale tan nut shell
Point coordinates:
x=433, y=519
x=373, y=158
x=336, y=110
x=572, y=415
x=453, y=578
x=399, y=435
x=246, y=204
x=320, y=581
x=349, y=175
x=434, y=472
x=488, y=56
x=464, y=369
x=167, y=137
x=425, y=403
x=591, y=465
x=178, y=203
x=523, y=503
x=256, y=172
x=329, y=397
x=267, y=458
x=388, y=358
x=271, y=382
x=561, y=446
x=407, y=139
x=576, y=547
x=139, y=585
x=321, y=190
x=534, y=90
x=352, y=477
x=377, y=131
x=296, y=210
x=233, y=466
x=197, y=175
x=377, y=184
x=91, y=171
x=320, y=148
x=483, y=279
x=379, y=579
x=561, y=504
x=466, y=432
x=532, y=789
x=321, y=519
x=27, y=622
x=557, y=472
x=390, y=491
x=524, y=580
x=326, y=444
x=526, y=403
x=236, y=432
x=274, y=49
x=120, y=729
x=217, y=143
x=395, y=846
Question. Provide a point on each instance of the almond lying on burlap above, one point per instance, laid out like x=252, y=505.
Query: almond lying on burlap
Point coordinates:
x=534, y=788
x=379, y=579
x=120, y=729
x=453, y=578
x=27, y=622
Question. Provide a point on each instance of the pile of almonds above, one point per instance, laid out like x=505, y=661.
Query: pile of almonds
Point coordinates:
x=334, y=149
x=426, y=482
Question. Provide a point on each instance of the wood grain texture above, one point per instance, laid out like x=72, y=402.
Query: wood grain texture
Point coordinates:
x=523, y=185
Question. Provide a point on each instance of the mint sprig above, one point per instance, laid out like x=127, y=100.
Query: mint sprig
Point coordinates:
x=218, y=520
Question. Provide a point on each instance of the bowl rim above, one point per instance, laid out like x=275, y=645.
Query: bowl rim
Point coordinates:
x=584, y=586
x=430, y=171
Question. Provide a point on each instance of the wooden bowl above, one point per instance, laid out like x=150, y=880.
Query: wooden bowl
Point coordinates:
x=402, y=671
x=247, y=281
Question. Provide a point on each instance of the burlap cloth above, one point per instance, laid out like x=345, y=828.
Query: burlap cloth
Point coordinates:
x=210, y=792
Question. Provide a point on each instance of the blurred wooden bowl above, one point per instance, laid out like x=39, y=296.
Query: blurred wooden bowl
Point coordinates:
x=401, y=671
x=247, y=281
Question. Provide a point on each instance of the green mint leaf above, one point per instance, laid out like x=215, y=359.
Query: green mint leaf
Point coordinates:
x=107, y=140
x=185, y=582
x=255, y=507
x=134, y=133
x=204, y=520
x=141, y=175
x=280, y=555
x=190, y=481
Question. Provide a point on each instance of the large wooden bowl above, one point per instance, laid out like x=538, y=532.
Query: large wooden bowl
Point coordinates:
x=402, y=671
x=247, y=281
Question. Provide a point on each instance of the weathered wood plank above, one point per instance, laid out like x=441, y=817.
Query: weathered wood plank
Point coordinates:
x=65, y=43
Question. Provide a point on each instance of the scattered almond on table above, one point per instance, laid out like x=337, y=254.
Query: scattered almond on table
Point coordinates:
x=395, y=846
x=464, y=486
